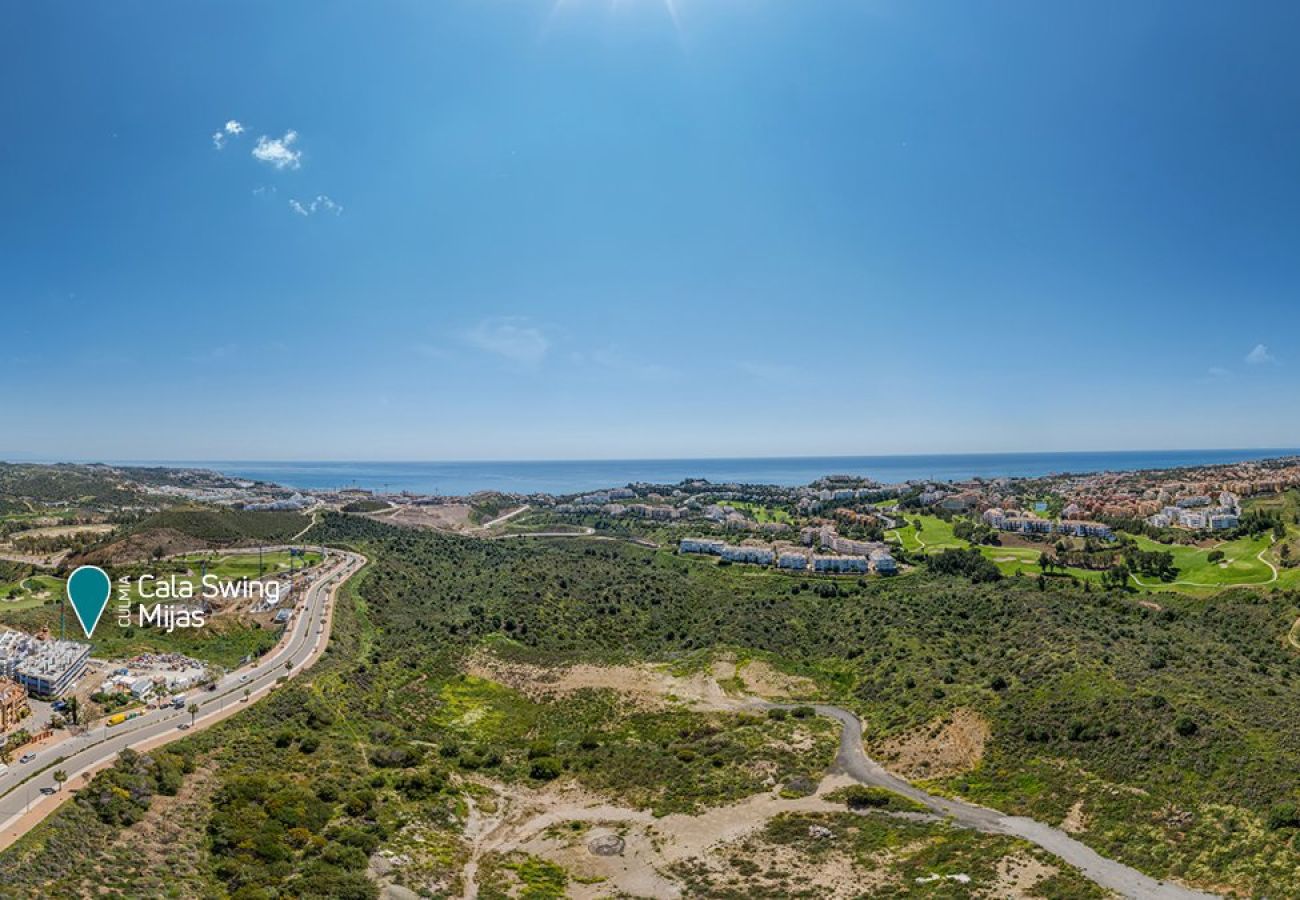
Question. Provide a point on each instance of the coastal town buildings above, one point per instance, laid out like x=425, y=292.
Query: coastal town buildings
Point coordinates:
x=46, y=668
x=13, y=704
x=1030, y=524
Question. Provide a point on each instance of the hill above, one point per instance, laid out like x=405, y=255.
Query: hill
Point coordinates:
x=1159, y=735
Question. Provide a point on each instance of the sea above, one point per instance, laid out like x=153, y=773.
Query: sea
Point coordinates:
x=576, y=476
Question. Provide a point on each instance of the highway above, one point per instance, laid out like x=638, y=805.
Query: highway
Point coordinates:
x=28, y=791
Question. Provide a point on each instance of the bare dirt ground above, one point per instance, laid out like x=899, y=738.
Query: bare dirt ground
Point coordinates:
x=444, y=517
x=55, y=531
x=143, y=545
x=1018, y=874
x=649, y=686
x=566, y=824
x=762, y=679
x=939, y=749
x=1075, y=821
x=561, y=823
x=645, y=686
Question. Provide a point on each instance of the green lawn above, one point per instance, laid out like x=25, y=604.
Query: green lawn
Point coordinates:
x=1024, y=561
x=33, y=591
x=762, y=514
x=1240, y=564
x=935, y=534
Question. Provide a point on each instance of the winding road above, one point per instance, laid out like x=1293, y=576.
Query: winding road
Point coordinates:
x=28, y=791
x=854, y=762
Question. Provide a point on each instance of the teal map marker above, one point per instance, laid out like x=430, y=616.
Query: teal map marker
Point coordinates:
x=89, y=589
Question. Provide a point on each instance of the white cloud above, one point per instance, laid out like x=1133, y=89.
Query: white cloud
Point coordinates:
x=279, y=152
x=616, y=361
x=322, y=203
x=1260, y=356
x=231, y=128
x=509, y=337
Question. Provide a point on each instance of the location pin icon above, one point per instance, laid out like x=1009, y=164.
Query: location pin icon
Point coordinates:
x=89, y=588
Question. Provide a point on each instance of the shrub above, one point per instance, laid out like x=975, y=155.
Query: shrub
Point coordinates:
x=545, y=768
x=1284, y=815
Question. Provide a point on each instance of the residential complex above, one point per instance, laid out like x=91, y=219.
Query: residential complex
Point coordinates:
x=13, y=704
x=849, y=557
x=1198, y=513
x=1031, y=524
x=46, y=668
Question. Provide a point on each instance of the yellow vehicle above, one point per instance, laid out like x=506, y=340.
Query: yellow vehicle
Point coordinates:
x=117, y=719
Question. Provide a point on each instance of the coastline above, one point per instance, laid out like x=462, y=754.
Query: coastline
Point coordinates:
x=559, y=477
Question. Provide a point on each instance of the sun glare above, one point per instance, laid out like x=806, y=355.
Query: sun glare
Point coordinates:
x=668, y=6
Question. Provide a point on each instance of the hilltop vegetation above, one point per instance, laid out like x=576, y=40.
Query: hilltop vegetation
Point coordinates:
x=64, y=483
x=1185, y=703
x=1161, y=732
x=225, y=527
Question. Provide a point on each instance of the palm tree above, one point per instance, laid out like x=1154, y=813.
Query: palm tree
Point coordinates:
x=247, y=694
x=60, y=776
x=194, y=711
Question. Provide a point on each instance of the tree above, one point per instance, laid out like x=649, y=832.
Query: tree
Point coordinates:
x=194, y=711
x=60, y=776
x=1115, y=578
x=247, y=694
x=288, y=666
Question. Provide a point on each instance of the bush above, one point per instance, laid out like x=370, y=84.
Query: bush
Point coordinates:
x=1284, y=815
x=861, y=797
x=545, y=768
x=970, y=563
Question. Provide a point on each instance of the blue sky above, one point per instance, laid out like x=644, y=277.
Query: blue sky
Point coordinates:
x=523, y=229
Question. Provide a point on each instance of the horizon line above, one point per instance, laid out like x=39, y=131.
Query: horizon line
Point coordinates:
x=163, y=462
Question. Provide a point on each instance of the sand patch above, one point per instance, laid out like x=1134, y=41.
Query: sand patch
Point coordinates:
x=939, y=749
x=559, y=823
x=1075, y=821
x=442, y=517
x=1019, y=874
x=643, y=686
x=761, y=679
